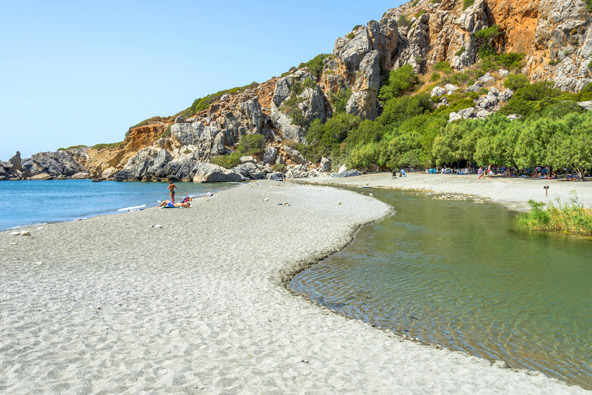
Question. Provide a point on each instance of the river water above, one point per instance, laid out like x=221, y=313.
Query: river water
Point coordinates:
x=461, y=275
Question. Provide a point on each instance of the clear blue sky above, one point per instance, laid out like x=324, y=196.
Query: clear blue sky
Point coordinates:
x=81, y=72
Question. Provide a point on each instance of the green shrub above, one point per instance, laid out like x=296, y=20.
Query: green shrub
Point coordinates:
x=436, y=1
x=415, y=2
x=107, y=146
x=533, y=98
x=350, y=36
x=561, y=109
x=460, y=51
x=227, y=161
x=71, y=147
x=167, y=132
x=420, y=13
x=404, y=21
x=315, y=65
x=510, y=60
x=589, y=5
x=435, y=77
x=570, y=218
x=400, y=81
x=339, y=100
x=443, y=67
x=279, y=167
x=516, y=81
x=489, y=34
x=205, y=102
x=585, y=94
x=468, y=3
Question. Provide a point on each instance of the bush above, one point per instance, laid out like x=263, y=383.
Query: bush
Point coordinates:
x=533, y=98
x=404, y=21
x=420, y=13
x=489, y=34
x=400, y=81
x=435, y=77
x=516, y=81
x=315, y=65
x=443, y=67
x=561, y=109
x=339, y=100
x=205, y=102
x=167, y=132
x=227, y=161
x=399, y=109
x=569, y=218
x=107, y=146
x=468, y=3
x=71, y=147
x=279, y=167
x=460, y=51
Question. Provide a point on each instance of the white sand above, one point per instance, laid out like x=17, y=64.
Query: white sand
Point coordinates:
x=511, y=192
x=118, y=306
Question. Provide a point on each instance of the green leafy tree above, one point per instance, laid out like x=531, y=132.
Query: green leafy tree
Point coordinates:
x=400, y=81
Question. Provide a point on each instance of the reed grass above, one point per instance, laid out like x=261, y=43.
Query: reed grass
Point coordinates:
x=571, y=218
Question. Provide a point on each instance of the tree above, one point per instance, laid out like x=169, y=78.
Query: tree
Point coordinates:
x=400, y=81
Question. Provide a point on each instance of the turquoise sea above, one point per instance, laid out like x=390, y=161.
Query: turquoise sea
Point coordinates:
x=25, y=203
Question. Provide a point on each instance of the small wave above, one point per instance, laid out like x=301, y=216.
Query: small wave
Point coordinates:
x=133, y=208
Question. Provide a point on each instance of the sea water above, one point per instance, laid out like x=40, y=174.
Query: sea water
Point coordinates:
x=464, y=276
x=31, y=202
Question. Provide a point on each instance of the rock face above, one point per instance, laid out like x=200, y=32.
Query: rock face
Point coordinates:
x=556, y=37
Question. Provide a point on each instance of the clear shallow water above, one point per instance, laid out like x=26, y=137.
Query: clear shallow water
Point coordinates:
x=31, y=202
x=461, y=275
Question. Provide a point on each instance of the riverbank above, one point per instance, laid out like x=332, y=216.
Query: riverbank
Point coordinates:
x=514, y=193
x=118, y=304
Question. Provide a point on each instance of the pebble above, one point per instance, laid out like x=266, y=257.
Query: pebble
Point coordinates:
x=266, y=199
x=157, y=226
x=25, y=233
x=15, y=233
x=339, y=203
x=39, y=263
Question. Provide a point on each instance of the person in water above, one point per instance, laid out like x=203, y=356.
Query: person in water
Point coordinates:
x=168, y=203
x=171, y=189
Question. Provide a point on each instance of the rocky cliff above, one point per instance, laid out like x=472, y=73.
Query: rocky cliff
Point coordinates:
x=554, y=36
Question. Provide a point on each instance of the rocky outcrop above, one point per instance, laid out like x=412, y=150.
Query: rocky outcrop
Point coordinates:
x=208, y=172
x=60, y=163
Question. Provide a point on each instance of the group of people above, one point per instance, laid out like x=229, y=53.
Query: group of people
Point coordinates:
x=171, y=203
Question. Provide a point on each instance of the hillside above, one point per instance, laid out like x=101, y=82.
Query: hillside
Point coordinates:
x=392, y=93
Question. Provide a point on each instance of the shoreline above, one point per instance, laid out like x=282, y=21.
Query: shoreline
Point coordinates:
x=513, y=193
x=115, y=304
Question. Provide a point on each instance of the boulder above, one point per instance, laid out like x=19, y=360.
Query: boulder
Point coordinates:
x=275, y=176
x=42, y=176
x=81, y=176
x=485, y=78
x=504, y=73
x=249, y=170
x=208, y=172
x=586, y=105
x=325, y=164
x=16, y=161
x=294, y=155
x=269, y=155
x=506, y=95
x=450, y=88
x=438, y=91
x=245, y=159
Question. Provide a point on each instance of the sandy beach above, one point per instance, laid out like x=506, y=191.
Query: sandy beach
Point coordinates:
x=114, y=304
x=514, y=193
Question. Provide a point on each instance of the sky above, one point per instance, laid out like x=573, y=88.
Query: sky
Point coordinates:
x=83, y=72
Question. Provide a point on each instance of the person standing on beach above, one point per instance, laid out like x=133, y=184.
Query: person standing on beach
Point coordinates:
x=171, y=189
x=480, y=172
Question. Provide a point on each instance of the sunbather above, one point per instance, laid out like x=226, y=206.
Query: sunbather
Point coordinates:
x=168, y=203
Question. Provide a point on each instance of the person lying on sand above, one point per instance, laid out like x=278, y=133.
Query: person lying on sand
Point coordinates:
x=168, y=203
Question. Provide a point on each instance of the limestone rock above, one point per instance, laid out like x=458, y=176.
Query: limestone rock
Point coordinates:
x=208, y=172
x=294, y=155
x=269, y=155
x=81, y=176
x=325, y=164
x=438, y=91
x=42, y=176
x=249, y=170
x=586, y=105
